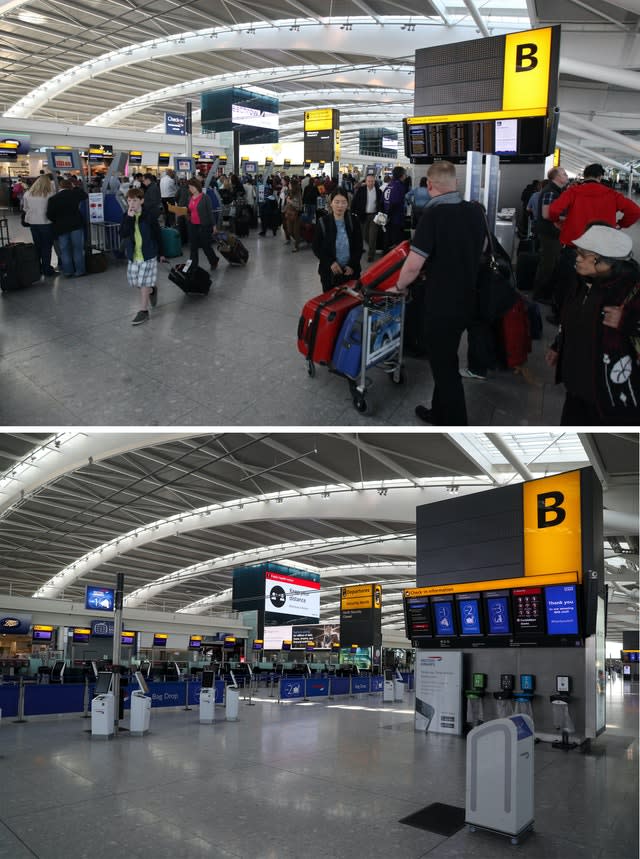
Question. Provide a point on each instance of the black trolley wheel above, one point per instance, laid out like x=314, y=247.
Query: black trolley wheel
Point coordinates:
x=360, y=404
x=311, y=369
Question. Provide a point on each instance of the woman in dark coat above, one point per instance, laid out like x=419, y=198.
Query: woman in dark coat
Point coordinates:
x=337, y=243
x=597, y=351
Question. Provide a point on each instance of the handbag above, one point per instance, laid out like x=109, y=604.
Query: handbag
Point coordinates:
x=495, y=287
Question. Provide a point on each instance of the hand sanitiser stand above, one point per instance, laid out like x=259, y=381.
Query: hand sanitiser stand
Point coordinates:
x=499, y=792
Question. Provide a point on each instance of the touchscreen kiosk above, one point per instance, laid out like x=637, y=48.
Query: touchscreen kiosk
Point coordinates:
x=528, y=616
x=497, y=612
x=207, y=679
x=443, y=620
x=469, y=614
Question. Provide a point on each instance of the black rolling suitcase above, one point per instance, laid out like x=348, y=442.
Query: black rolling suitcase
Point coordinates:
x=232, y=249
x=526, y=268
x=191, y=279
x=19, y=266
x=243, y=221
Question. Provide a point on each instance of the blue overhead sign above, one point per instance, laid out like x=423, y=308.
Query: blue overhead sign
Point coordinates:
x=175, y=123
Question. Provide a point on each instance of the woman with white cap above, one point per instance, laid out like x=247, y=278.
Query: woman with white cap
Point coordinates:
x=597, y=351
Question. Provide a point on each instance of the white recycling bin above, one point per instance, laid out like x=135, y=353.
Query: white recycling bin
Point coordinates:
x=499, y=791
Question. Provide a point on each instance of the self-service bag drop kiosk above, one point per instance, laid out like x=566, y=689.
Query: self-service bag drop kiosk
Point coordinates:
x=103, y=707
x=388, y=687
x=140, y=708
x=499, y=791
x=207, y=698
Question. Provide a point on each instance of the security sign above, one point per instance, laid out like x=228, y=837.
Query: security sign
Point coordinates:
x=552, y=525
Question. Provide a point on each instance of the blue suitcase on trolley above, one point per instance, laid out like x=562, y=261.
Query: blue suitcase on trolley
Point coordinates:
x=347, y=353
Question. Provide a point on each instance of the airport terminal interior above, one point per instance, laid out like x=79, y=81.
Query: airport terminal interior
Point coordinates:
x=291, y=771
x=247, y=608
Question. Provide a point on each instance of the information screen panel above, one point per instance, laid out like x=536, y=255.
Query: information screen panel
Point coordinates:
x=561, y=608
x=528, y=615
x=418, y=618
x=444, y=624
x=497, y=611
x=469, y=617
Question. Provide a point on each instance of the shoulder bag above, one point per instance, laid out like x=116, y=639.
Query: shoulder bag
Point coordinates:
x=495, y=287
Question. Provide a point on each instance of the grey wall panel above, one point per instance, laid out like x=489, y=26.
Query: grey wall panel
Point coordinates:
x=476, y=538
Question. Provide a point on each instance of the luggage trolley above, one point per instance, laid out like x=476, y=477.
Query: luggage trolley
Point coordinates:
x=380, y=338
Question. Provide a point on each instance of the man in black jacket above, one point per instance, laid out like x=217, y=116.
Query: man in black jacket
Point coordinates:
x=367, y=202
x=152, y=196
x=63, y=210
x=446, y=247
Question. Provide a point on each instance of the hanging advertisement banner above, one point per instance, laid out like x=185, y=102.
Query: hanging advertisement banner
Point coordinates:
x=290, y=595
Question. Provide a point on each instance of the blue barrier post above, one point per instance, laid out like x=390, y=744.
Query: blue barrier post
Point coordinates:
x=186, y=696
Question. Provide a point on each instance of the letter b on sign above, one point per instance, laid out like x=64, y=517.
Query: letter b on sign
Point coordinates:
x=526, y=59
x=550, y=510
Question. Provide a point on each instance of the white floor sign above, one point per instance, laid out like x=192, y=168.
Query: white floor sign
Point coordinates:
x=438, y=691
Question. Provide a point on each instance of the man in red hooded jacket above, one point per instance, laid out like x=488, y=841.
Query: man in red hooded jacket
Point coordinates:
x=575, y=210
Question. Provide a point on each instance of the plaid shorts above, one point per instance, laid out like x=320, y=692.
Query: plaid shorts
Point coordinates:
x=143, y=273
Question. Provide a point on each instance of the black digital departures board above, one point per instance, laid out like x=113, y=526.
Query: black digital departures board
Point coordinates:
x=466, y=94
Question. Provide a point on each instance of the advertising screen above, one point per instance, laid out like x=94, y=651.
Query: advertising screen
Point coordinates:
x=469, y=614
x=184, y=165
x=290, y=595
x=528, y=615
x=443, y=617
x=42, y=633
x=175, y=123
x=561, y=607
x=80, y=635
x=99, y=599
x=498, y=621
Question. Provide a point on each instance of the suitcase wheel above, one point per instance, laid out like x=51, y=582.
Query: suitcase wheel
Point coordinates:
x=311, y=369
x=360, y=404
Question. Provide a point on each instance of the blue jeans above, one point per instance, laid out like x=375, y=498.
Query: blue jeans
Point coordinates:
x=72, y=252
x=42, y=235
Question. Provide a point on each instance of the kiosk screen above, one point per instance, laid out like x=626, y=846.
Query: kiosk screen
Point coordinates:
x=103, y=683
x=498, y=614
x=207, y=679
x=142, y=683
x=469, y=614
x=561, y=605
x=527, y=610
x=443, y=618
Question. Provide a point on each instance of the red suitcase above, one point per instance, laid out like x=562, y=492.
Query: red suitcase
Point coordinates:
x=514, y=335
x=307, y=231
x=321, y=321
x=383, y=274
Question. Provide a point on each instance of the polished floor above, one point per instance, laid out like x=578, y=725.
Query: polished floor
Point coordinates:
x=291, y=780
x=69, y=356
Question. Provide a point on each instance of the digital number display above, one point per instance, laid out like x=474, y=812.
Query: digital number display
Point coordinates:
x=469, y=615
x=498, y=615
x=443, y=617
x=527, y=610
